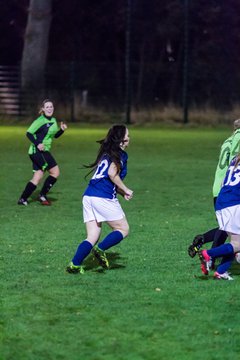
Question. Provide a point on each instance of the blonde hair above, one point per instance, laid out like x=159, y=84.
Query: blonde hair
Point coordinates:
x=42, y=106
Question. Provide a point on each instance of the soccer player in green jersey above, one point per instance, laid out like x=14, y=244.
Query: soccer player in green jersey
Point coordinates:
x=41, y=134
x=229, y=149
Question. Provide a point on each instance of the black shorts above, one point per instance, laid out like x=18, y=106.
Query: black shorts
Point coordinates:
x=42, y=160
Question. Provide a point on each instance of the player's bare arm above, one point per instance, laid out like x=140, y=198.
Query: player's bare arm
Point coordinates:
x=115, y=178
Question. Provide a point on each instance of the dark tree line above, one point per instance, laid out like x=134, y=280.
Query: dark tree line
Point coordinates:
x=91, y=35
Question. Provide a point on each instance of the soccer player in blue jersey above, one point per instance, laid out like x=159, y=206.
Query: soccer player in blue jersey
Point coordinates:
x=229, y=149
x=228, y=214
x=41, y=134
x=100, y=203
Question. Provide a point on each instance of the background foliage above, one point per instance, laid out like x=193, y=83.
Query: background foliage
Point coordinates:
x=92, y=36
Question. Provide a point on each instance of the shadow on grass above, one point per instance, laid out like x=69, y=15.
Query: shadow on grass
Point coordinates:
x=235, y=269
x=91, y=263
x=203, y=277
x=35, y=198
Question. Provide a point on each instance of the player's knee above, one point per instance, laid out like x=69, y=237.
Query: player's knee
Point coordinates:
x=235, y=242
x=55, y=172
x=37, y=177
x=124, y=230
x=236, y=246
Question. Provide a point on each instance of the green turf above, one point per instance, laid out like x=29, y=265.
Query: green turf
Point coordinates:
x=153, y=303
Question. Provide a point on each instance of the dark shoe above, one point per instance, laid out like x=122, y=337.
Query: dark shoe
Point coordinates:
x=101, y=257
x=44, y=200
x=197, y=243
x=22, y=202
x=74, y=269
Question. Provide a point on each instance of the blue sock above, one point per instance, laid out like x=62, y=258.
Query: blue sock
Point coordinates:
x=225, y=264
x=82, y=252
x=225, y=249
x=110, y=240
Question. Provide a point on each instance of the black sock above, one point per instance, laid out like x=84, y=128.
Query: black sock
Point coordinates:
x=209, y=235
x=49, y=182
x=29, y=189
x=219, y=238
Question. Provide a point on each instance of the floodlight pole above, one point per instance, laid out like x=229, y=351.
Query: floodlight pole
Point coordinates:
x=127, y=62
x=185, y=63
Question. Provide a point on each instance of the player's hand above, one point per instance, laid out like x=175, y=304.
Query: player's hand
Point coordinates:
x=128, y=195
x=40, y=147
x=63, y=126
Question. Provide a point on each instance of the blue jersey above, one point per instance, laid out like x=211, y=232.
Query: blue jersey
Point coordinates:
x=230, y=192
x=100, y=184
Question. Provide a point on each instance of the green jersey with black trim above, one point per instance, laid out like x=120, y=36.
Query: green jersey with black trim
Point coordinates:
x=43, y=131
x=229, y=149
x=235, y=148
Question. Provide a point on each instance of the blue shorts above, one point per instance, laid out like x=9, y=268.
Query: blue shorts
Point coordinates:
x=42, y=160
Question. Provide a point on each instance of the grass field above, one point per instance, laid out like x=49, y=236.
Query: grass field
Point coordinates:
x=153, y=303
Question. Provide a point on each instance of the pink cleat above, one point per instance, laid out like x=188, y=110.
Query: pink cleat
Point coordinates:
x=206, y=262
